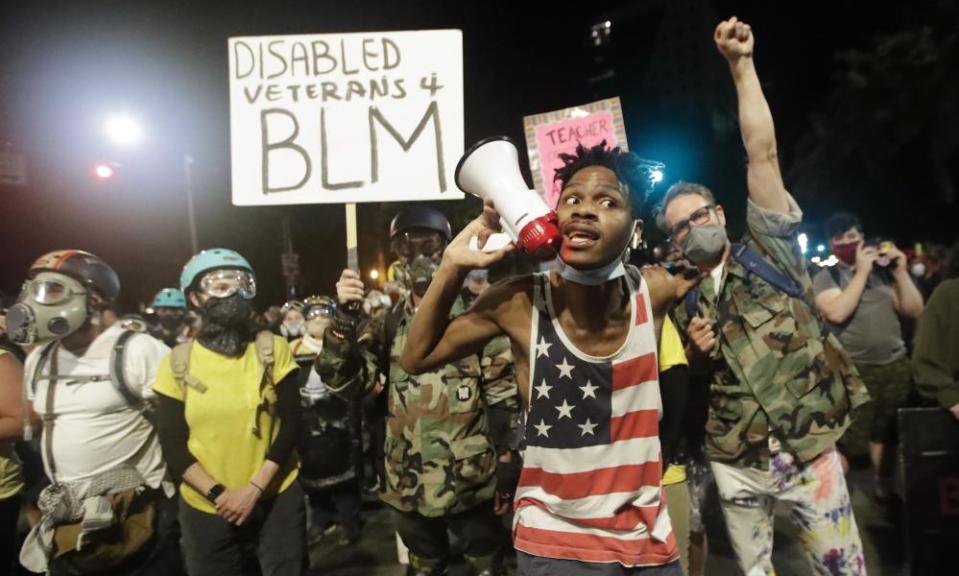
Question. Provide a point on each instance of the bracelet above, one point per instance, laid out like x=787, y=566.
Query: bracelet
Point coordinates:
x=252, y=483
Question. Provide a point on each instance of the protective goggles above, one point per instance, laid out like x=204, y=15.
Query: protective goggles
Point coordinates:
x=226, y=283
x=319, y=311
x=133, y=324
x=49, y=291
x=409, y=244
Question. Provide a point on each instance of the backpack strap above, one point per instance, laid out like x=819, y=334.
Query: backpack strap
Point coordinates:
x=834, y=274
x=180, y=365
x=48, y=414
x=24, y=401
x=117, y=372
x=691, y=302
x=756, y=264
x=264, y=350
x=264, y=345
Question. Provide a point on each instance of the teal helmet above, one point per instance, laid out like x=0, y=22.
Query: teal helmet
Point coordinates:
x=169, y=298
x=212, y=259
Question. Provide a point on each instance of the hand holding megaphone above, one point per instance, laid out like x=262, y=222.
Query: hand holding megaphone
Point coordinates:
x=474, y=246
x=490, y=170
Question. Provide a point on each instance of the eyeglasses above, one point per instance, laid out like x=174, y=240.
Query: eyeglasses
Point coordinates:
x=226, y=283
x=409, y=244
x=697, y=218
x=49, y=292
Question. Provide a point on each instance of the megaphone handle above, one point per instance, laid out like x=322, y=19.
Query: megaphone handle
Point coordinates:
x=508, y=229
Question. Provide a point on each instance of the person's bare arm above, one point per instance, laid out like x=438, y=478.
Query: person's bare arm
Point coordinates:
x=433, y=339
x=908, y=298
x=735, y=42
x=837, y=305
x=11, y=400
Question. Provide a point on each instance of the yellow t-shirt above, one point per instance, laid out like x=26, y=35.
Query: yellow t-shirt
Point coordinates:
x=11, y=477
x=671, y=353
x=221, y=419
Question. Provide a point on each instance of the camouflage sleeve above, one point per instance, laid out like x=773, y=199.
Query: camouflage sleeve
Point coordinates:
x=501, y=394
x=776, y=234
x=350, y=369
x=499, y=373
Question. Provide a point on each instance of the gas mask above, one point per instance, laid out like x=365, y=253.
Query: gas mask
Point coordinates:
x=420, y=253
x=50, y=306
x=170, y=318
x=293, y=328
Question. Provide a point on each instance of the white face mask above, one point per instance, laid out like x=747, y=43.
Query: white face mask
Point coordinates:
x=594, y=277
x=918, y=269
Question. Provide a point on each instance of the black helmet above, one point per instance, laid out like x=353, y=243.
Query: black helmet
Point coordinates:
x=421, y=217
x=89, y=269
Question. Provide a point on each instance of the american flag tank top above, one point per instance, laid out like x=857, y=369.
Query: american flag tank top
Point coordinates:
x=591, y=488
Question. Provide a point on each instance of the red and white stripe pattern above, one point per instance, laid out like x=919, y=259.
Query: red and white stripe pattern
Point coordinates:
x=591, y=484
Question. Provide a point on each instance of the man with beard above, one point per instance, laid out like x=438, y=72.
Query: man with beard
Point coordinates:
x=228, y=416
x=169, y=306
x=440, y=461
x=782, y=389
x=90, y=385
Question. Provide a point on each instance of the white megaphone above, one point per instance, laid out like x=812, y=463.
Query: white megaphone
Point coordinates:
x=490, y=169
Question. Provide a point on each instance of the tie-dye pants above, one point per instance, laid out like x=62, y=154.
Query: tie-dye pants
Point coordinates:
x=821, y=509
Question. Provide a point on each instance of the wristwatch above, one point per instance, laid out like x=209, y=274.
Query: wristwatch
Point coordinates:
x=215, y=492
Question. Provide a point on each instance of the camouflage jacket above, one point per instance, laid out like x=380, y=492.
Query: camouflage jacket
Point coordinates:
x=439, y=455
x=775, y=371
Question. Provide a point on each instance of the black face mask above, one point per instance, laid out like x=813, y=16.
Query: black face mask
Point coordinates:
x=228, y=325
x=171, y=323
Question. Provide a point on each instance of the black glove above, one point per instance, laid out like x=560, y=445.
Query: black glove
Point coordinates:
x=507, y=477
x=345, y=320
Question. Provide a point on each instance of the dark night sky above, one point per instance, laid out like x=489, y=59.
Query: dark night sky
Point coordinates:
x=64, y=64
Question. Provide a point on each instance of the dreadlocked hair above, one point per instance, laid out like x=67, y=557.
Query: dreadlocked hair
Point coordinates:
x=625, y=165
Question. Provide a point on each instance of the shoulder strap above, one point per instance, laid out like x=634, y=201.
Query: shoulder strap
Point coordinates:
x=691, y=301
x=117, y=371
x=180, y=366
x=836, y=277
x=756, y=264
x=35, y=377
x=48, y=414
x=264, y=350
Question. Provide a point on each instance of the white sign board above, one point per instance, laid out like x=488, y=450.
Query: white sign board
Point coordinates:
x=342, y=118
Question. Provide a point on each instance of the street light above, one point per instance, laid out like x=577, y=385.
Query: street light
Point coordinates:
x=103, y=171
x=126, y=131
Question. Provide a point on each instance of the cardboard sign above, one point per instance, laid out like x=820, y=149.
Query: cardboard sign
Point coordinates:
x=553, y=133
x=345, y=118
